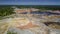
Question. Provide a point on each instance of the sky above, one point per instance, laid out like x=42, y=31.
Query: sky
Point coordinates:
x=29, y=2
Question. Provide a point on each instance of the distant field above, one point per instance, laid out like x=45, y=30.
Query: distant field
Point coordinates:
x=7, y=9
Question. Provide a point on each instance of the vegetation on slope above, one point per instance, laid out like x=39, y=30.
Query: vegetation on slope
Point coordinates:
x=4, y=11
x=11, y=32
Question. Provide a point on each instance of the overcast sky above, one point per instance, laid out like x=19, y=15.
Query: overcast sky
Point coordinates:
x=29, y=2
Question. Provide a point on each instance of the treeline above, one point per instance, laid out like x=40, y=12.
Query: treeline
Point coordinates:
x=46, y=7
